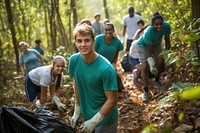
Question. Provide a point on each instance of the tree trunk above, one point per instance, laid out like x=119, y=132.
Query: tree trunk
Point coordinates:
x=53, y=25
x=196, y=15
x=12, y=30
x=106, y=9
x=73, y=7
x=63, y=36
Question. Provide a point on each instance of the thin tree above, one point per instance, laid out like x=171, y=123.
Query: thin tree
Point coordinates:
x=12, y=30
x=196, y=15
x=106, y=8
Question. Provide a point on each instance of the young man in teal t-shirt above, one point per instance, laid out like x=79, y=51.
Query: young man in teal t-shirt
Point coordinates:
x=95, y=85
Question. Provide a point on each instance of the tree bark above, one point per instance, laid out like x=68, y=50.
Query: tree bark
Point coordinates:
x=196, y=15
x=12, y=30
x=73, y=7
x=106, y=9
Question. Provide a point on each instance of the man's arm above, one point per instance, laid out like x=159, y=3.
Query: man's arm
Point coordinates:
x=76, y=93
x=124, y=31
x=110, y=103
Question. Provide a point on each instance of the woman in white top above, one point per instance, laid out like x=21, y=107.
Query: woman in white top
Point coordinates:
x=40, y=79
x=134, y=55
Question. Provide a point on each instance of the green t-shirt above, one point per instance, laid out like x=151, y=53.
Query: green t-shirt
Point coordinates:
x=107, y=50
x=152, y=37
x=92, y=81
x=40, y=50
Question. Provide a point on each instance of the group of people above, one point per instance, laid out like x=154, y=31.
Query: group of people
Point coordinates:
x=144, y=46
x=93, y=72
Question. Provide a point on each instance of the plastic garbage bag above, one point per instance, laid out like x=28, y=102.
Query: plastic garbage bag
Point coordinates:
x=22, y=120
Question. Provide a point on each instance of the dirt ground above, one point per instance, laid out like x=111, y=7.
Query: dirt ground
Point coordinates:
x=134, y=115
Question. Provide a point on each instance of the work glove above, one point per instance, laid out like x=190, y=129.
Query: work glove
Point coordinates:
x=76, y=115
x=122, y=40
x=89, y=125
x=152, y=66
x=58, y=103
x=36, y=105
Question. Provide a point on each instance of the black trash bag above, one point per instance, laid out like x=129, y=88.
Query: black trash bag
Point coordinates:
x=126, y=65
x=22, y=120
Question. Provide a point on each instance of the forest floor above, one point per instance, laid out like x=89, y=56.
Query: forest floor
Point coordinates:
x=134, y=115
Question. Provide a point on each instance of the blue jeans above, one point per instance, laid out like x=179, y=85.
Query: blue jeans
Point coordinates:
x=31, y=89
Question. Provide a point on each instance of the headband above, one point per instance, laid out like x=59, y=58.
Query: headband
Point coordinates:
x=58, y=59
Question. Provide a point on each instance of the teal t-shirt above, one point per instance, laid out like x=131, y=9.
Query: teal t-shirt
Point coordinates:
x=107, y=50
x=30, y=60
x=92, y=81
x=152, y=37
x=40, y=50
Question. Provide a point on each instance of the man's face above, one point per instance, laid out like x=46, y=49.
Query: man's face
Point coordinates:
x=131, y=12
x=84, y=43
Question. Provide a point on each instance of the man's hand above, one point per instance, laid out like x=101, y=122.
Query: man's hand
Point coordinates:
x=89, y=125
x=76, y=115
x=152, y=66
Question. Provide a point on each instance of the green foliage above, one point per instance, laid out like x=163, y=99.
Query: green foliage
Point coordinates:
x=191, y=93
x=149, y=129
x=174, y=92
x=180, y=116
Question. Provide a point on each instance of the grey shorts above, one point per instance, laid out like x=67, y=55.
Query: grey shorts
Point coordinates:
x=107, y=129
x=156, y=52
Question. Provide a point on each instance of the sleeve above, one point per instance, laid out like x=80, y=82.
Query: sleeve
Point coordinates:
x=71, y=68
x=35, y=52
x=109, y=79
x=120, y=45
x=147, y=37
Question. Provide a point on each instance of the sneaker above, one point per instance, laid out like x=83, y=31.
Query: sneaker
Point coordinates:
x=135, y=79
x=145, y=97
x=157, y=85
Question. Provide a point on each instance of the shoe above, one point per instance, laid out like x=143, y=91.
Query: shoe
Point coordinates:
x=145, y=97
x=157, y=85
x=135, y=79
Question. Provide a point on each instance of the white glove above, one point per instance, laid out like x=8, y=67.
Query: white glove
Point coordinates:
x=76, y=115
x=89, y=125
x=152, y=66
x=122, y=40
x=60, y=106
x=38, y=104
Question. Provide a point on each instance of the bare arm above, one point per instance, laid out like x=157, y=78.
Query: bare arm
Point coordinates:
x=53, y=91
x=149, y=50
x=110, y=103
x=124, y=31
x=115, y=58
x=22, y=69
x=43, y=97
x=41, y=59
x=167, y=42
x=76, y=93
